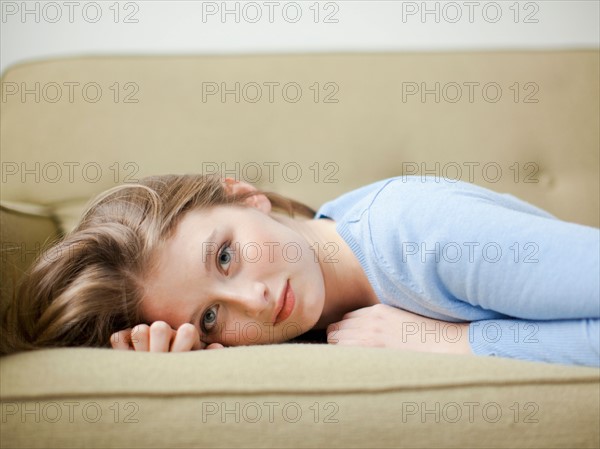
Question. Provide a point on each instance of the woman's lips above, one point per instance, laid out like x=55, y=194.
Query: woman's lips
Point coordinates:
x=287, y=306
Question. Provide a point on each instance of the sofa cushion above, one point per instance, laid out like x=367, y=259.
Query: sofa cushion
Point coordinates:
x=293, y=395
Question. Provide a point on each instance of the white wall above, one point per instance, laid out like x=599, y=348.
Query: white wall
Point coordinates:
x=34, y=30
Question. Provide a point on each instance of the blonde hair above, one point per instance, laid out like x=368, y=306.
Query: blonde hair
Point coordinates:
x=89, y=284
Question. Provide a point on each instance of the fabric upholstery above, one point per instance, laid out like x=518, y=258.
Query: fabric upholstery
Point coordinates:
x=57, y=154
x=294, y=395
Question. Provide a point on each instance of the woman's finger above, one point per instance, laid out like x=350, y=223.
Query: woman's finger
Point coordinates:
x=120, y=340
x=140, y=336
x=161, y=335
x=333, y=333
x=186, y=339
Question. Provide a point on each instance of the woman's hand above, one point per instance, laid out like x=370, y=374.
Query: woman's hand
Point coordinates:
x=386, y=326
x=160, y=337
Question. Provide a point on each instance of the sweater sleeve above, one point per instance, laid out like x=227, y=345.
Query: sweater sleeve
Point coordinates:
x=571, y=342
x=462, y=245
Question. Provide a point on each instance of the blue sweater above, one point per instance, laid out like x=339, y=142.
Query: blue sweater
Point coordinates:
x=528, y=282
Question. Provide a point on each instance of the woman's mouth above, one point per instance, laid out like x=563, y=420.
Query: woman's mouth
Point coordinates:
x=287, y=302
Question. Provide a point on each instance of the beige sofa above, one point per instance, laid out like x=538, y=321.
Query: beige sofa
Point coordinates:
x=310, y=127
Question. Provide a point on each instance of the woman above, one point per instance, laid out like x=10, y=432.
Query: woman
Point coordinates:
x=409, y=262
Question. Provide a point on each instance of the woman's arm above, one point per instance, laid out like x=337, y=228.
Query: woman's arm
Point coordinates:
x=458, y=252
x=541, y=270
x=571, y=342
x=468, y=250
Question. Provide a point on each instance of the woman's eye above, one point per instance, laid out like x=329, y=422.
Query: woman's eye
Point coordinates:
x=209, y=320
x=225, y=256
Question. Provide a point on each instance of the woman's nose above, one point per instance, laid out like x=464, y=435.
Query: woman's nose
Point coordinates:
x=250, y=298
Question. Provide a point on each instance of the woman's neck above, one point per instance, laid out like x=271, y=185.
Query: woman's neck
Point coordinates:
x=347, y=287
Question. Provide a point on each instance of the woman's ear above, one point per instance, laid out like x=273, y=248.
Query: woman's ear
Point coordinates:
x=259, y=201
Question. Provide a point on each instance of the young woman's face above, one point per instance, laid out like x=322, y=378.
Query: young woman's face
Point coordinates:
x=239, y=276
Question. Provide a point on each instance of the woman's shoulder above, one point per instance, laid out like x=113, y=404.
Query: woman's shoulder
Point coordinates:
x=412, y=184
x=421, y=191
x=394, y=192
x=347, y=205
x=432, y=196
x=419, y=196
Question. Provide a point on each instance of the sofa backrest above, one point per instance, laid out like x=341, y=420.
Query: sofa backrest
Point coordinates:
x=23, y=237
x=307, y=126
